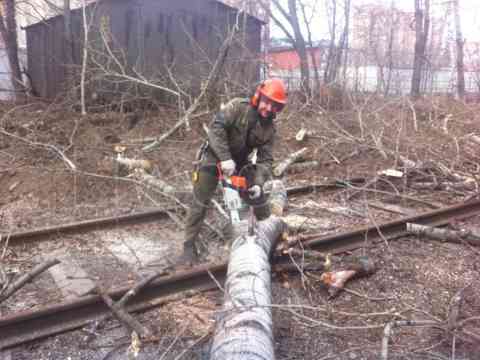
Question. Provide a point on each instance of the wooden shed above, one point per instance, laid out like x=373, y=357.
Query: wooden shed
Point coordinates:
x=147, y=37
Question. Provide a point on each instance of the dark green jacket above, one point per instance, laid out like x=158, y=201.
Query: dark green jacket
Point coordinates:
x=236, y=130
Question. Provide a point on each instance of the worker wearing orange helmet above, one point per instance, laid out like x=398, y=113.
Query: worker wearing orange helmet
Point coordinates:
x=240, y=126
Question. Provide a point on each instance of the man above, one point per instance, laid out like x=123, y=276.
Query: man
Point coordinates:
x=241, y=126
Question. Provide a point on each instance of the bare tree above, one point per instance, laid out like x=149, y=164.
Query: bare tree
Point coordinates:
x=345, y=44
x=68, y=47
x=459, y=43
x=422, y=25
x=391, y=39
x=8, y=31
x=294, y=35
x=308, y=20
x=335, y=52
x=331, y=50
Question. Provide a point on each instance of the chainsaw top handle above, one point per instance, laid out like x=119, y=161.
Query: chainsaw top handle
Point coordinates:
x=235, y=182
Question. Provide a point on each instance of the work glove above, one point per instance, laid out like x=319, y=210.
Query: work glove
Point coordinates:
x=228, y=167
x=254, y=192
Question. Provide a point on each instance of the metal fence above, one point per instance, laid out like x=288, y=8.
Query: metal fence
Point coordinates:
x=373, y=79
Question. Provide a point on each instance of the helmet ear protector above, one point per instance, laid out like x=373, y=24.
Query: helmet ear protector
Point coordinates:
x=257, y=94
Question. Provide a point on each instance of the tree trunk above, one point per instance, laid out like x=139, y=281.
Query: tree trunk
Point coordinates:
x=328, y=73
x=289, y=160
x=422, y=24
x=391, y=39
x=313, y=58
x=8, y=31
x=244, y=327
x=459, y=43
x=300, y=47
x=434, y=233
x=346, y=39
x=68, y=48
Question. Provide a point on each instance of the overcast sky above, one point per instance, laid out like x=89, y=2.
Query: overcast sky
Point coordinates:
x=470, y=16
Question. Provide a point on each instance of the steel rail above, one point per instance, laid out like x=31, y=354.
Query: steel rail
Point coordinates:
x=390, y=230
x=30, y=325
x=143, y=216
x=84, y=225
x=26, y=326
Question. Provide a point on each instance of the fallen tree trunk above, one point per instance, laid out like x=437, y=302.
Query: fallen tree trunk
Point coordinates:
x=154, y=181
x=304, y=134
x=132, y=164
x=336, y=280
x=444, y=234
x=244, y=326
x=282, y=166
x=277, y=196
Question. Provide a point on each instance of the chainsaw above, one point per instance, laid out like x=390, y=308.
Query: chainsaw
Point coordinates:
x=234, y=189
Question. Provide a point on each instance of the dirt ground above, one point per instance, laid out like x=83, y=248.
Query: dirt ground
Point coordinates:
x=416, y=278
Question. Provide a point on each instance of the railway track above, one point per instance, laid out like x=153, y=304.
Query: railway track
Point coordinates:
x=30, y=325
x=145, y=216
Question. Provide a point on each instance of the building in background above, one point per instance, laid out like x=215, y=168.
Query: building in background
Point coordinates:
x=284, y=62
x=253, y=8
x=148, y=37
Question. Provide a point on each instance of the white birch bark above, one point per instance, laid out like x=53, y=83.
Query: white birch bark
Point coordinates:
x=281, y=167
x=132, y=164
x=444, y=234
x=244, y=326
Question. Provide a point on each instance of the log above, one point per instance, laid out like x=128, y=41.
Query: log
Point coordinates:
x=132, y=164
x=336, y=280
x=283, y=165
x=310, y=254
x=277, y=196
x=303, y=134
x=410, y=164
x=444, y=234
x=244, y=328
x=153, y=181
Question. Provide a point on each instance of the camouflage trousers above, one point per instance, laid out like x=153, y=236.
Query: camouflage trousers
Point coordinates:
x=204, y=186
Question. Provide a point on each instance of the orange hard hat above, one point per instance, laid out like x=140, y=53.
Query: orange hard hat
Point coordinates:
x=275, y=90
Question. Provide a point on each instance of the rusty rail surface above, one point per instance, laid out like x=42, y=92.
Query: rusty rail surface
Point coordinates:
x=85, y=225
x=26, y=326
x=144, y=216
